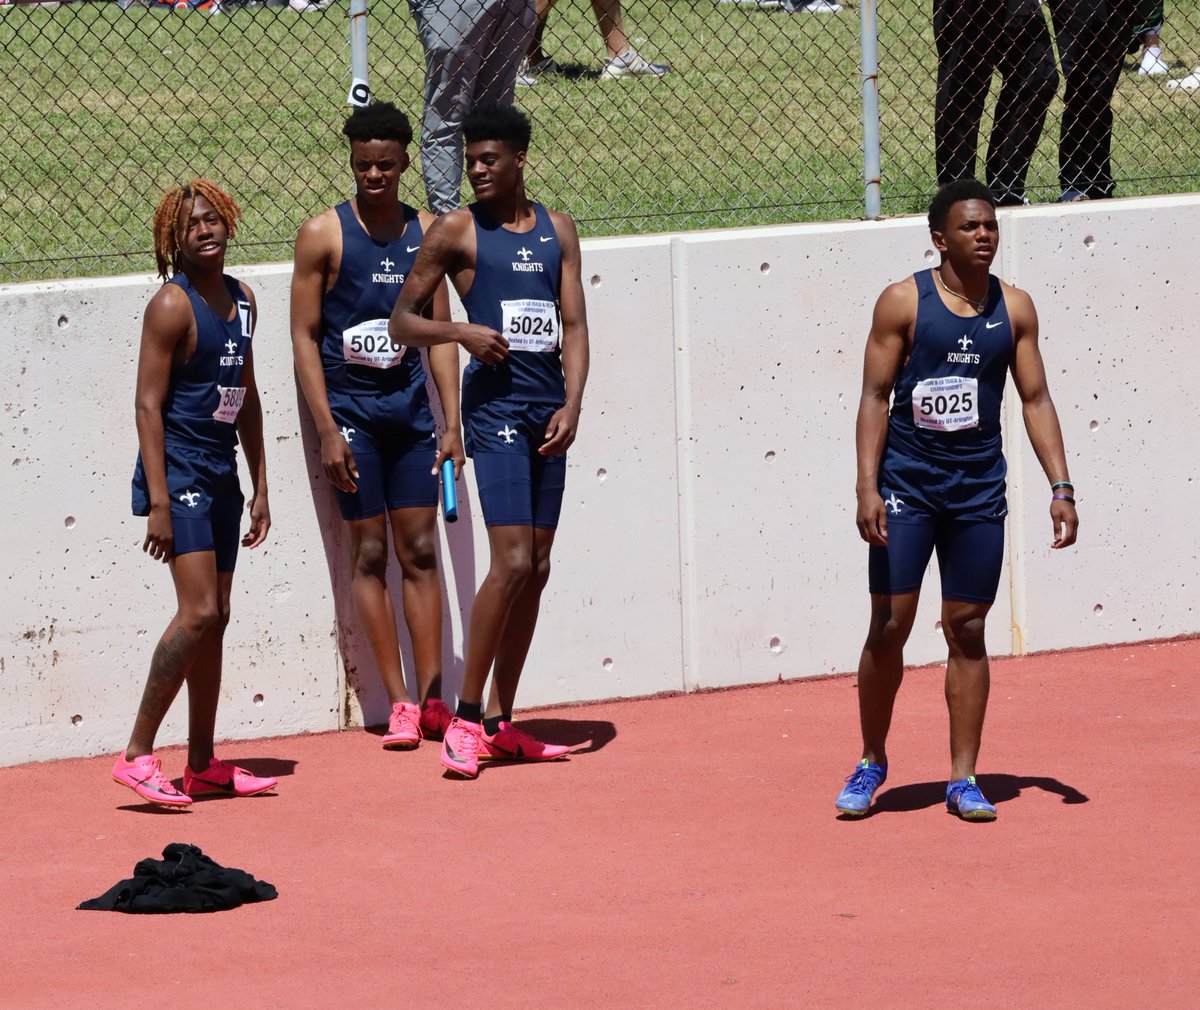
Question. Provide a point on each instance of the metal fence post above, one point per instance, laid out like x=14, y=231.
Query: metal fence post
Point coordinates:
x=360, y=89
x=873, y=200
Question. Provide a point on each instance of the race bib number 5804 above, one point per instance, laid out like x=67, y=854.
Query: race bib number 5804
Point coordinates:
x=230, y=402
x=950, y=403
x=531, y=324
x=368, y=344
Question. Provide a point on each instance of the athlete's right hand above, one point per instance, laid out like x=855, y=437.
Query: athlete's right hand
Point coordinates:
x=872, y=519
x=338, y=462
x=483, y=342
x=160, y=534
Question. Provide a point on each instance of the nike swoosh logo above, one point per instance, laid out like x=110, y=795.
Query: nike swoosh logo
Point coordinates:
x=992, y=326
x=214, y=785
x=412, y=248
x=518, y=753
x=457, y=758
x=545, y=238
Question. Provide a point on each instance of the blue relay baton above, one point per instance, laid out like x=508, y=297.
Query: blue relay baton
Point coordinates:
x=449, y=495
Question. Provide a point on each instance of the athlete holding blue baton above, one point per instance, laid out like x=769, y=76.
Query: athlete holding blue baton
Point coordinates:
x=517, y=267
x=369, y=403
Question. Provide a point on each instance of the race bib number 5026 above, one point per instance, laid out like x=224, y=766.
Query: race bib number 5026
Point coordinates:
x=368, y=344
x=531, y=324
x=950, y=403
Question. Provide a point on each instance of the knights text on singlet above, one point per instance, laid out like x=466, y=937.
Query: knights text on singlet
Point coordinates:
x=947, y=397
x=516, y=292
x=365, y=370
x=205, y=393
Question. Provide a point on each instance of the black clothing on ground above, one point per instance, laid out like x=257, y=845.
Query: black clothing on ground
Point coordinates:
x=184, y=880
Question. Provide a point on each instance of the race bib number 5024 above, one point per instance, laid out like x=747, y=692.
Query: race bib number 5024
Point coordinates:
x=950, y=403
x=531, y=324
x=368, y=344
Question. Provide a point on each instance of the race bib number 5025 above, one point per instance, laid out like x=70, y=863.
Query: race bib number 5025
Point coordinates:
x=531, y=324
x=368, y=344
x=950, y=403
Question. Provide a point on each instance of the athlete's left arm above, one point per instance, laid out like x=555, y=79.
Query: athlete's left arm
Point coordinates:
x=1041, y=419
x=445, y=369
x=250, y=431
x=576, y=351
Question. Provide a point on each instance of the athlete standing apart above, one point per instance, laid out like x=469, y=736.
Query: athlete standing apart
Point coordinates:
x=516, y=266
x=369, y=402
x=195, y=397
x=931, y=476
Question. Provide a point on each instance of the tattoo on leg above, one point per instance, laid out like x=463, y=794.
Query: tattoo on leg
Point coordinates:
x=167, y=670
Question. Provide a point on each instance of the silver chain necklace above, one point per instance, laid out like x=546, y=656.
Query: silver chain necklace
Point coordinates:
x=978, y=306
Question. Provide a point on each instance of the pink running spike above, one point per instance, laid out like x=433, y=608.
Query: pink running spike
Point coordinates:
x=404, y=727
x=223, y=777
x=144, y=776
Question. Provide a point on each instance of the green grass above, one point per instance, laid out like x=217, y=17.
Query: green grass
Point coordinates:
x=758, y=123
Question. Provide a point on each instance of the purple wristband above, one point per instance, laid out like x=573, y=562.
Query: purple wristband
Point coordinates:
x=1063, y=497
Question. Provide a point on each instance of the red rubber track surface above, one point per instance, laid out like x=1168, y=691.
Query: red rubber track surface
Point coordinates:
x=688, y=855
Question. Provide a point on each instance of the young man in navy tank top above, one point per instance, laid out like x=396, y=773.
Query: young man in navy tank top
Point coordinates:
x=931, y=476
x=517, y=267
x=369, y=402
x=195, y=397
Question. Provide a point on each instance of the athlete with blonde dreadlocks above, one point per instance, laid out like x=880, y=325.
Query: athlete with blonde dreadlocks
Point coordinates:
x=195, y=396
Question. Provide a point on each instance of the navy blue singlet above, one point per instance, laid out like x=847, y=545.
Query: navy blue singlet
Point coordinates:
x=205, y=392
x=366, y=373
x=947, y=397
x=516, y=292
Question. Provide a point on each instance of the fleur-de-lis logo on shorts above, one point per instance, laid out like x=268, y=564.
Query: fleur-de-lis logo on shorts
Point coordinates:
x=893, y=503
x=190, y=497
x=506, y=433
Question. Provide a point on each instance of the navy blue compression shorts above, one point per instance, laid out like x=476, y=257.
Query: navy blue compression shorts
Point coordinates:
x=206, y=502
x=970, y=555
x=395, y=465
x=517, y=485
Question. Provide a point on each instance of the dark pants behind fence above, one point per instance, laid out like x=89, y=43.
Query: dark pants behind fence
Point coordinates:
x=974, y=38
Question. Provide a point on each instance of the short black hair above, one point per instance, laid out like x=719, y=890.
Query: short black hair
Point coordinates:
x=952, y=193
x=498, y=122
x=378, y=121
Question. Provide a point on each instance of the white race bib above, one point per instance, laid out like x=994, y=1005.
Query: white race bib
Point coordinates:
x=369, y=344
x=531, y=325
x=947, y=404
x=232, y=398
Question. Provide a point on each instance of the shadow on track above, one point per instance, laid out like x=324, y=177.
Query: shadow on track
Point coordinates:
x=997, y=788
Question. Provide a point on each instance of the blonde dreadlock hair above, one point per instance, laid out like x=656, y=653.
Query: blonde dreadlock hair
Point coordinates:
x=168, y=231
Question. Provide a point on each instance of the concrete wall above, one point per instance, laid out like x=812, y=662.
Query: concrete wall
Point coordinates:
x=707, y=535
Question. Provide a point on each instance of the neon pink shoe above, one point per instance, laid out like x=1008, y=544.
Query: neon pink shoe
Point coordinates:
x=222, y=777
x=512, y=744
x=404, y=727
x=435, y=719
x=460, y=747
x=144, y=776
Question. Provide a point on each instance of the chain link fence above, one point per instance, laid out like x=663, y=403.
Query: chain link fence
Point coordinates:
x=758, y=120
